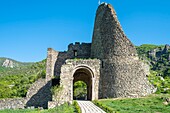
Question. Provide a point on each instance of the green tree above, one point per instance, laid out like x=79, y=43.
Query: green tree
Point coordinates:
x=80, y=90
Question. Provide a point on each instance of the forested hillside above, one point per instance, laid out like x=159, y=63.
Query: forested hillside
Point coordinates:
x=14, y=82
x=158, y=57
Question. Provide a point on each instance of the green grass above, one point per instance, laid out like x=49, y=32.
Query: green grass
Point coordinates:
x=61, y=109
x=150, y=104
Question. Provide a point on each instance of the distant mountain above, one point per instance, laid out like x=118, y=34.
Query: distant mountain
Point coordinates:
x=8, y=62
x=12, y=67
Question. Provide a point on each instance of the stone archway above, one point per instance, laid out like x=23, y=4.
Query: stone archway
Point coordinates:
x=86, y=75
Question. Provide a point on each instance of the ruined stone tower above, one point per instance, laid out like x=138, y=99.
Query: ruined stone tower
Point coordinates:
x=109, y=65
x=122, y=73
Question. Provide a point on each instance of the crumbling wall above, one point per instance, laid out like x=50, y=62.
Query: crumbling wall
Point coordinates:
x=16, y=103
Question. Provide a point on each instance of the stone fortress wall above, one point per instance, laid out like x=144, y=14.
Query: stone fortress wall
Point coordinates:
x=123, y=74
x=38, y=95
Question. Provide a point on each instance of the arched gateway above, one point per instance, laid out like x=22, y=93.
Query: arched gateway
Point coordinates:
x=86, y=70
x=85, y=74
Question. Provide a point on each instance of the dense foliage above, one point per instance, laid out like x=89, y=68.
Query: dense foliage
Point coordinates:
x=158, y=59
x=80, y=90
x=77, y=107
x=161, y=83
x=14, y=82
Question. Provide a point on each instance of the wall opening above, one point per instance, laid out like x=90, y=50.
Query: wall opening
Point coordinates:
x=80, y=90
x=75, y=53
x=83, y=74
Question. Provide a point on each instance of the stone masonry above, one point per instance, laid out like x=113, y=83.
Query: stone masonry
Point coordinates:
x=122, y=74
x=109, y=65
x=38, y=95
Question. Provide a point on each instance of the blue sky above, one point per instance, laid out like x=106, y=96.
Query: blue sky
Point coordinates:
x=29, y=27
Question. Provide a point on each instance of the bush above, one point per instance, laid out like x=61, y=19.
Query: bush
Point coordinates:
x=57, y=93
x=77, y=107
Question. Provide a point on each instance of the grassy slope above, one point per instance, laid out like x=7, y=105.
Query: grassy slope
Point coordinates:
x=150, y=104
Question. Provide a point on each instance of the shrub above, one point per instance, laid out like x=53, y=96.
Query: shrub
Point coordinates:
x=77, y=107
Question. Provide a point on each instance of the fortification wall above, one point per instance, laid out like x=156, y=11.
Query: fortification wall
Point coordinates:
x=57, y=59
x=17, y=103
x=60, y=60
x=38, y=95
x=82, y=50
x=108, y=36
x=122, y=73
x=50, y=64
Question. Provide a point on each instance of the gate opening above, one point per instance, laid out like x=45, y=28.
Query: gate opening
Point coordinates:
x=83, y=76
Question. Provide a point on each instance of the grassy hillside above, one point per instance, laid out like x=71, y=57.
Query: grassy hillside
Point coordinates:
x=150, y=104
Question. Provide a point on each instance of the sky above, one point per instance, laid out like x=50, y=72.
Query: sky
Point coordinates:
x=29, y=27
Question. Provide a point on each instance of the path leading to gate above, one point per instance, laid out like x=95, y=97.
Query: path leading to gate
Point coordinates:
x=89, y=107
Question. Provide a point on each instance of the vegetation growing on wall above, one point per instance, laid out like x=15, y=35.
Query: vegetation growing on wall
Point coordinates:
x=57, y=93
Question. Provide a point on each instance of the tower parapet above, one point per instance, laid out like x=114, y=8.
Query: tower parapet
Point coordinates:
x=79, y=50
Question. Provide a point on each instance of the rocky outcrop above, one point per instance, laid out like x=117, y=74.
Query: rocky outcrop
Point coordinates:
x=152, y=53
x=166, y=48
x=8, y=63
